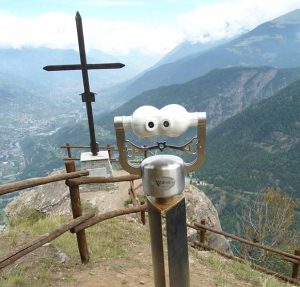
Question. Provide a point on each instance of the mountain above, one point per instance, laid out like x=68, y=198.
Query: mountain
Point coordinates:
x=222, y=93
x=236, y=89
x=258, y=147
x=18, y=91
x=187, y=48
x=63, y=87
x=274, y=43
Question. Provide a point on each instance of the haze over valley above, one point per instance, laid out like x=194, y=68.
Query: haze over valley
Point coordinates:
x=248, y=83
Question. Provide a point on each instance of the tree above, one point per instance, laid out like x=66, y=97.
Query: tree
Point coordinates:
x=269, y=220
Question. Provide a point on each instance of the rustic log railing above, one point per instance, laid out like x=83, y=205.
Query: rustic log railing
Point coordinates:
x=78, y=218
x=32, y=182
x=25, y=249
x=80, y=222
x=293, y=258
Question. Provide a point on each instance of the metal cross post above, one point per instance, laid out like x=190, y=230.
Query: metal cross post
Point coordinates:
x=88, y=97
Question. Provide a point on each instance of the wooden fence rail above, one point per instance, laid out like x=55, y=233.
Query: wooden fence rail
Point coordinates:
x=80, y=222
x=32, y=182
x=108, y=215
x=243, y=240
x=293, y=258
x=253, y=265
x=101, y=179
x=25, y=249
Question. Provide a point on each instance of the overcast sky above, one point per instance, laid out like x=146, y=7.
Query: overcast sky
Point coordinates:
x=121, y=26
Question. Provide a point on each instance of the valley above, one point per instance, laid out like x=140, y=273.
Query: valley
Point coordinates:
x=248, y=86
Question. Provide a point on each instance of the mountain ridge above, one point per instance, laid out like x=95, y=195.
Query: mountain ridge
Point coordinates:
x=258, y=147
x=268, y=44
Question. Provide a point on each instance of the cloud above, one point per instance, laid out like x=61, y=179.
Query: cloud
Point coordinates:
x=104, y=3
x=52, y=30
x=123, y=36
x=109, y=36
x=208, y=22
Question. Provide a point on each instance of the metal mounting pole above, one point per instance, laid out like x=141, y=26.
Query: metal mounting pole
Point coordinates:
x=163, y=182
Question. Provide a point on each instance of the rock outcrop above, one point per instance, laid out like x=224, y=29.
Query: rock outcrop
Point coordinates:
x=52, y=198
x=198, y=207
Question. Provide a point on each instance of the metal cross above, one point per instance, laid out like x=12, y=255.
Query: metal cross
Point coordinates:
x=88, y=97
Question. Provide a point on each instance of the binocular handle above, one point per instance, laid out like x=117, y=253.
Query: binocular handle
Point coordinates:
x=135, y=169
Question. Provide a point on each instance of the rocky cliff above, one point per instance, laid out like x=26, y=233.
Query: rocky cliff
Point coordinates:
x=54, y=199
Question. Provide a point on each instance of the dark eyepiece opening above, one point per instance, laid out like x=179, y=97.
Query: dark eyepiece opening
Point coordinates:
x=151, y=125
x=166, y=124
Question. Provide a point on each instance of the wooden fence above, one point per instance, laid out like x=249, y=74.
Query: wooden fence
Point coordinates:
x=202, y=228
x=80, y=222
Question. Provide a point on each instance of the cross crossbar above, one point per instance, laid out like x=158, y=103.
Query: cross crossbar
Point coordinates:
x=88, y=97
x=79, y=67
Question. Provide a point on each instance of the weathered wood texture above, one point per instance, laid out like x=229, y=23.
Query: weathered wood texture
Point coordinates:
x=27, y=248
x=101, y=179
x=77, y=212
x=32, y=182
x=104, y=216
x=229, y=235
x=296, y=264
x=254, y=266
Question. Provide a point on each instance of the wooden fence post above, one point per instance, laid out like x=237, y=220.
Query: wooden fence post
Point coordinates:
x=143, y=214
x=202, y=231
x=108, y=148
x=69, y=150
x=295, y=271
x=76, y=210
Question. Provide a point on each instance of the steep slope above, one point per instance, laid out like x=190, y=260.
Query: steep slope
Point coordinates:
x=236, y=89
x=18, y=91
x=258, y=147
x=24, y=113
x=187, y=48
x=120, y=256
x=275, y=43
x=63, y=87
x=221, y=93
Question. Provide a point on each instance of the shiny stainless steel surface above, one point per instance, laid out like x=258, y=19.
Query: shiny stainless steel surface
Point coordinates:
x=163, y=175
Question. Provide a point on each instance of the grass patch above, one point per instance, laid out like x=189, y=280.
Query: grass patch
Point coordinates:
x=110, y=239
x=232, y=273
x=14, y=279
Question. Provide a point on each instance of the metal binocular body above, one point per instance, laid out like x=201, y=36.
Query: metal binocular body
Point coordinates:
x=163, y=178
x=172, y=121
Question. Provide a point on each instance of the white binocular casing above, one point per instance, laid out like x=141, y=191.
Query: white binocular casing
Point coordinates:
x=148, y=121
x=172, y=121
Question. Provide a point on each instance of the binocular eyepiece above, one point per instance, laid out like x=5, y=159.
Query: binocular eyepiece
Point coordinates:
x=172, y=121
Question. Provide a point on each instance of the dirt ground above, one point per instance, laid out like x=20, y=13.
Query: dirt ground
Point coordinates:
x=132, y=271
x=111, y=200
x=135, y=270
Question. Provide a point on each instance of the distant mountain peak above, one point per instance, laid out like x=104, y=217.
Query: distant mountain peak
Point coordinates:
x=290, y=18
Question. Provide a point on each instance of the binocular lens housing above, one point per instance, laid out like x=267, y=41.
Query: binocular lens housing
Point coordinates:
x=172, y=121
x=151, y=125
